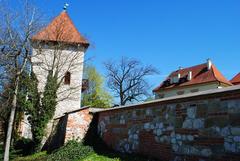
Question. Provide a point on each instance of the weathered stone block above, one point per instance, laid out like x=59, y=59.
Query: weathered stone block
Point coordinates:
x=191, y=112
x=225, y=131
x=198, y=123
x=190, y=138
x=235, y=131
x=188, y=124
x=147, y=126
x=233, y=106
x=206, y=152
x=236, y=138
x=230, y=147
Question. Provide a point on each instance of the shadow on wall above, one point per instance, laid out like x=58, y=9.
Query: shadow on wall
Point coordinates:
x=57, y=137
x=101, y=148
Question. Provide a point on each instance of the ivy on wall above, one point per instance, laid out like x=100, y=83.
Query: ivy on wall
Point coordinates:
x=40, y=109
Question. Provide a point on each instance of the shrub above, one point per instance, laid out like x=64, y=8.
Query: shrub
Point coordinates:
x=13, y=153
x=24, y=146
x=70, y=152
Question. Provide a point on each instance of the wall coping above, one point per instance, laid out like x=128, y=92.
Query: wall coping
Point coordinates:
x=70, y=112
x=235, y=88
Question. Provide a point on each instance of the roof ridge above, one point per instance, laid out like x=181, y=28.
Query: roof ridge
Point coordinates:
x=189, y=67
x=214, y=70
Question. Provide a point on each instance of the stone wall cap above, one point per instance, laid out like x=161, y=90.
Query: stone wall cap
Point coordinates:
x=184, y=96
x=94, y=110
x=80, y=109
x=70, y=112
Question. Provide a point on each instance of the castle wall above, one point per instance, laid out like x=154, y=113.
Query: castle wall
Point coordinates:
x=200, y=126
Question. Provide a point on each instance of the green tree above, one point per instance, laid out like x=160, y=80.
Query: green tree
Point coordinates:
x=40, y=113
x=95, y=95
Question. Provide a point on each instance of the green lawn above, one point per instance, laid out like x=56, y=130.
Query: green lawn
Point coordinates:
x=35, y=157
x=42, y=156
x=96, y=157
x=74, y=151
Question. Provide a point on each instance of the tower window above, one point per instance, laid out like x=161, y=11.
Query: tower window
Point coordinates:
x=67, y=78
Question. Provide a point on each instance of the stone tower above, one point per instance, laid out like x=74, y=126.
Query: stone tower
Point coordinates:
x=60, y=48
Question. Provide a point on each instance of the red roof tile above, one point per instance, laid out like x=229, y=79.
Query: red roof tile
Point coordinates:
x=200, y=74
x=61, y=29
x=236, y=79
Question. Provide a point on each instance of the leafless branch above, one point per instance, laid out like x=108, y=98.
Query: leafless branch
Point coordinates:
x=127, y=79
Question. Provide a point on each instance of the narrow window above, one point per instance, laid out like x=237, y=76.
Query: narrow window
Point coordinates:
x=180, y=92
x=160, y=95
x=67, y=78
x=194, y=90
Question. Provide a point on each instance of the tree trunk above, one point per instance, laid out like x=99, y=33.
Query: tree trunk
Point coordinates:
x=11, y=121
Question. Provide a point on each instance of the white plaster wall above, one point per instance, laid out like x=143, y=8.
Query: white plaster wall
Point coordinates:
x=70, y=59
x=25, y=128
x=200, y=87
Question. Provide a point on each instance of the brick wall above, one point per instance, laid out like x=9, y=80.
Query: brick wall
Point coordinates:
x=77, y=124
x=200, y=126
x=72, y=126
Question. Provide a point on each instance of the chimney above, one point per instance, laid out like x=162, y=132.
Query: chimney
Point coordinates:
x=209, y=64
x=189, y=75
x=179, y=75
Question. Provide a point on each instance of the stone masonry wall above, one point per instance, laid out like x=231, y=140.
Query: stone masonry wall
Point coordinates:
x=199, y=127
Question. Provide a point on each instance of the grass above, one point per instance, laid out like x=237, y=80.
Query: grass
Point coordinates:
x=74, y=151
x=96, y=157
x=35, y=157
x=42, y=156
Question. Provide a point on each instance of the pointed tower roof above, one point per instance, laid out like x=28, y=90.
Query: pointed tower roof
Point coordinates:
x=61, y=29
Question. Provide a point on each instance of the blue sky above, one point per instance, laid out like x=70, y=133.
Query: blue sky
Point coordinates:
x=164, y=33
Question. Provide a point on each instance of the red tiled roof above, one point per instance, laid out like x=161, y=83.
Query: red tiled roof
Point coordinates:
x=61, y=29
x=236, y=79
x=200, y=74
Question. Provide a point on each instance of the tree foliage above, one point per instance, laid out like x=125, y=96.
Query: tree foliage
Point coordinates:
x=40, y=110
x=95, y=95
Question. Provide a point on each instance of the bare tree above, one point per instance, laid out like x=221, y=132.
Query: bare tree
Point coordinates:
x=16, y=30
x=49, y=55
x=127, y=79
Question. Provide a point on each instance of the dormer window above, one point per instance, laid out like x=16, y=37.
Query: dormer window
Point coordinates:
x=67, y=78
x=175, y=79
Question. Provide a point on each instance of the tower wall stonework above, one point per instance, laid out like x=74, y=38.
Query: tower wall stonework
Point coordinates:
x=69, y=95
x=69, y=60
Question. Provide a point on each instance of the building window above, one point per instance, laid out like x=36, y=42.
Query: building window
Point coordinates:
x=160, y=95
x=180, y=92
x=194, y=90
x=67, y=78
